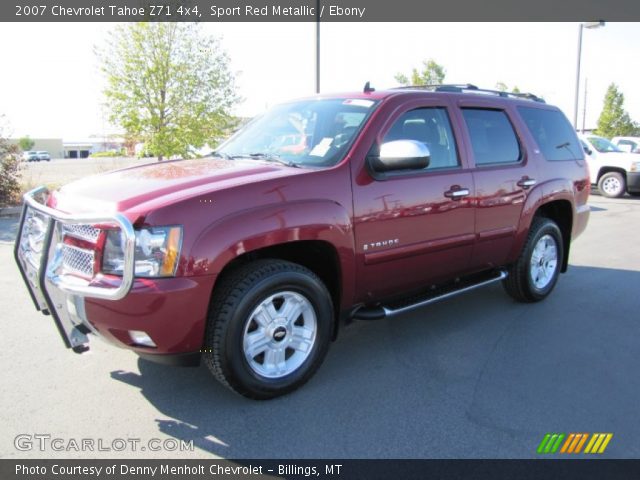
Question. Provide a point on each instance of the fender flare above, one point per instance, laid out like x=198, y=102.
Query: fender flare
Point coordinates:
x=276, y=224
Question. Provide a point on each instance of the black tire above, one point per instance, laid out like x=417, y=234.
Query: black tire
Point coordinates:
x=520, y=283
x=612, y=185
x=233, y=302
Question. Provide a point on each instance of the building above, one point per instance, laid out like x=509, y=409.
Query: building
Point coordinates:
x=83, y=147
x=52, y=145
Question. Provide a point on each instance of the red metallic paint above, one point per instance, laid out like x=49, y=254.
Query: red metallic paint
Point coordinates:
x=229, y=208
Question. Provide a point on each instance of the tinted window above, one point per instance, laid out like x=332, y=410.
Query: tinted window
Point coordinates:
x=603, y=145
x=430, y=126
x=552, y=132
x=626, y=145
x=492, y=137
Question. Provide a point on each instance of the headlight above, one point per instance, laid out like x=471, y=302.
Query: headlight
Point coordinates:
x=156, y=255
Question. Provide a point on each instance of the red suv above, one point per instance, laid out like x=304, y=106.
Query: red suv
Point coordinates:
x=324, y=210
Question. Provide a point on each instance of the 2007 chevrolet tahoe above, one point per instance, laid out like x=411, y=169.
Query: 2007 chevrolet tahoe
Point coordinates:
x=324, y=210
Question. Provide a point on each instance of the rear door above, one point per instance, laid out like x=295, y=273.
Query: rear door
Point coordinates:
x=503, y=174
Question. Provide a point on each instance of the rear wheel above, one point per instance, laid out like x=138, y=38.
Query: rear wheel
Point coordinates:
x=269, y=328
x=612, y=185
x=536, y=271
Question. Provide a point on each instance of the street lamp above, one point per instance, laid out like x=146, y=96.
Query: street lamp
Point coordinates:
x=317, y=45
x=580, y=28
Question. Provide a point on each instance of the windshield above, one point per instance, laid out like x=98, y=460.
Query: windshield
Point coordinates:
x=603, y=145
x=305, y=133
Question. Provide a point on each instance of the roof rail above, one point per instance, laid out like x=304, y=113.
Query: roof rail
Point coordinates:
x=470, y=88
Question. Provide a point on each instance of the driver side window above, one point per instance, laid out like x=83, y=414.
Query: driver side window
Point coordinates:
x=430, y=126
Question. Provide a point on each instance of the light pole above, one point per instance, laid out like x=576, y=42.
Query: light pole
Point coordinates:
x=580, y=28
x=317, y=32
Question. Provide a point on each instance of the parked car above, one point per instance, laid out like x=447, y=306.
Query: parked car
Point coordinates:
x=253, y=260
x=627, y=144
x=43, y=155
x=612, y=170
x=30, y=156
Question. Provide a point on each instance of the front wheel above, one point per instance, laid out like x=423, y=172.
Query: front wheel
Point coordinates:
x=535, y=273
x=612, y=185
x=269, y=328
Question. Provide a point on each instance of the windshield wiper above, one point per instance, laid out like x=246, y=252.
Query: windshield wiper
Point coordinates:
x=218, y=154
x=269, y=157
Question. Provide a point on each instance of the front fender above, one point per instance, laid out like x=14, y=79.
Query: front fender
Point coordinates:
x=275, y=224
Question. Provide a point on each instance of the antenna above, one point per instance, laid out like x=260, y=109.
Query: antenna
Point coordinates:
x=368, y=88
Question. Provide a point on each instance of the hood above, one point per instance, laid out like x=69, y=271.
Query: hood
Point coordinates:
x=157, y=183
x=619, y=158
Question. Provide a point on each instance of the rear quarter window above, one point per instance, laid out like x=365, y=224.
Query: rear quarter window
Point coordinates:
x=553, y=133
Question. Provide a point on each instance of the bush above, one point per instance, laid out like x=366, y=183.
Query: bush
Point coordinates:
x=111, y=153
x=9, y=171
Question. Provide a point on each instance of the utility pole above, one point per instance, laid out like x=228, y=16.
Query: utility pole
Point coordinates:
x=317, y=68
x=581, y=27
x=584, y=106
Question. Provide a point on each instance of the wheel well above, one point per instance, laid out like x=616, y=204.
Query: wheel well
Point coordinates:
x=318, y=256
x=560, y=211
x=605, y=170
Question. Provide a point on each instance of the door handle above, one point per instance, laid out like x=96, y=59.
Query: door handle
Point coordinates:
x=456, y=193
x=526, y=182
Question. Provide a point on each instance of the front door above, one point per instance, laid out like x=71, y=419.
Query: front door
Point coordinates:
x=414, y=227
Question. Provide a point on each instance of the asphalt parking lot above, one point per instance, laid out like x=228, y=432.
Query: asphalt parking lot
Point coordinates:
x=477, y=376
x=59, y=171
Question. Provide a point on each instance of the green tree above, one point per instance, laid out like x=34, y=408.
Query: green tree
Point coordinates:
x=614, y=120
x=432, y=73
x=9, y=167
x=502, y=87
x=26, y=143
x=169, y=85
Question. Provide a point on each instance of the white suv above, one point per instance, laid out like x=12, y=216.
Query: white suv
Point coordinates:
x=627, y=144
x=612, y=170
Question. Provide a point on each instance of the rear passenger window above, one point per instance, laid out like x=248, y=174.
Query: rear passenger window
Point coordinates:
x=552, y=132
x=492, y=136
x=430, y=126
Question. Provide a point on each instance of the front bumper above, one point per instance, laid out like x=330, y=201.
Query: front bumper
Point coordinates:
x=172, y=311
x=633, y=182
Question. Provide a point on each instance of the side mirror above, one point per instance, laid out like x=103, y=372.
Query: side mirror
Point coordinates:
x=587, y=150
x=401, y=155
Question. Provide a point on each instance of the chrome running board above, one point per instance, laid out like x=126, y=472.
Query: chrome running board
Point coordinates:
x=434, y=295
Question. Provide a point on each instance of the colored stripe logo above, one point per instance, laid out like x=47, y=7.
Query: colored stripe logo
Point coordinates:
x=574, y=442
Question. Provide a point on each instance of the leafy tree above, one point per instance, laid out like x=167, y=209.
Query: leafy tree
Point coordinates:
x=9, y=167
x=169, y=85
x=432, y=73
x=26, y=143
x=502, y=87
x=614, y=120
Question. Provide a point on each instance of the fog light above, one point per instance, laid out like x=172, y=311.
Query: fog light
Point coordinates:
x=141, y=338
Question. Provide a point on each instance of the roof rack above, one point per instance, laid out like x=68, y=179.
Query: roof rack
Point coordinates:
x=469, y=88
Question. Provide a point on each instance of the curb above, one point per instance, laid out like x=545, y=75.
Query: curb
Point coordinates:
x=10, y=211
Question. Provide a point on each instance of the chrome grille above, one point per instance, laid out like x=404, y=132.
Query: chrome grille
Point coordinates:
x=77, y=260
x=85, y=232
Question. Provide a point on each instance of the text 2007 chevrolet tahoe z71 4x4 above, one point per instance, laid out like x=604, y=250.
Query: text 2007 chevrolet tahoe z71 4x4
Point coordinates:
x=338, y=207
